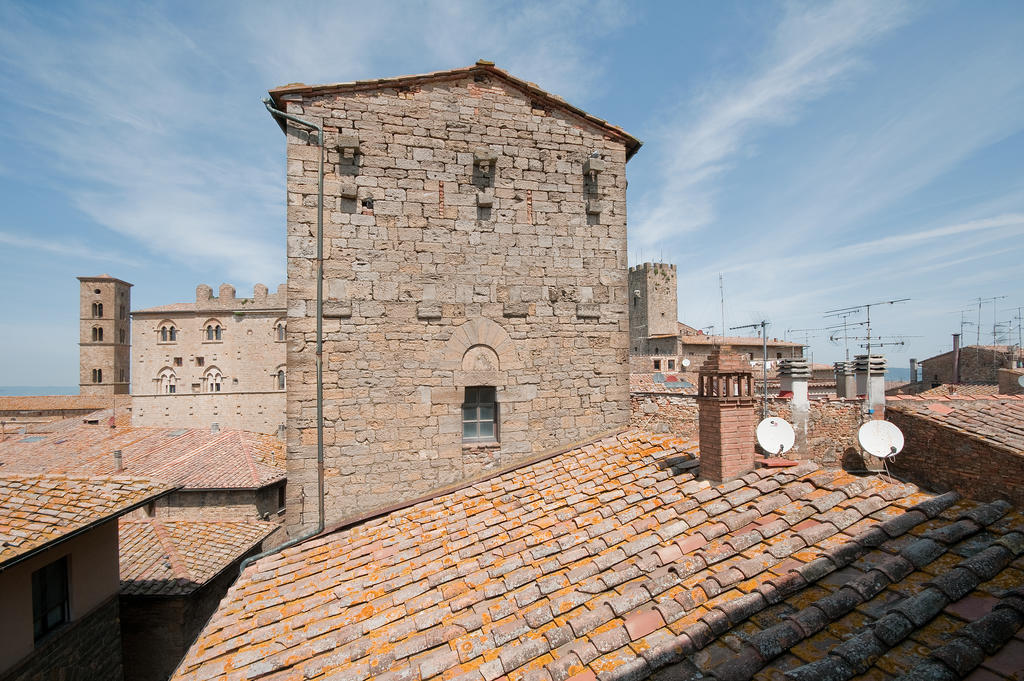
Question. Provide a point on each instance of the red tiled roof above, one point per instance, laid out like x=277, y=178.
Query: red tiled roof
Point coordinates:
x=176, y=557
x=37, y=510
x=193, y=458
x=57, y=402
x=612, y=562
x=994, y=420
x=645, y=383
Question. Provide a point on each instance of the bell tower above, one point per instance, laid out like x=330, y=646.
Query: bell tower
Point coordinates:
x=104, y=339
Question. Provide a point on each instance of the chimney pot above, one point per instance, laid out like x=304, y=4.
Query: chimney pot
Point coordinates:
x=214, y=427
x=118, y=461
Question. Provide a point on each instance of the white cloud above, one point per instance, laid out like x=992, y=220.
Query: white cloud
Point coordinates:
x=813, y=49
x=71, y=250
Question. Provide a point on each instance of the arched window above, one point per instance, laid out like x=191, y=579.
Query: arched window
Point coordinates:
x=168, y=332
x=163, y=334
x=212, y=381
x=213, y=331
x=168, y=382
x=97, y=334
x=280, y=379
x=97, y=310
x=279, y=331
x=97, y=375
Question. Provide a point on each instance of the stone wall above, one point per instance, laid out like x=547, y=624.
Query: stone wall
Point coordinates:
x=257, y=412
x=444, y=270
x=1009, y=382
x=87, y=649
x=112, y=353
x=219, y=504
x=977, y=365
x=653, y=308
x=942, y=459
x=827, y=435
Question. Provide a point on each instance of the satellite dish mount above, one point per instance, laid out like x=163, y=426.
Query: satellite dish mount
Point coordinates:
x=882, y=440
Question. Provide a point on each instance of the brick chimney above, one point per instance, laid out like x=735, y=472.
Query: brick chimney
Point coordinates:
x=725, y=400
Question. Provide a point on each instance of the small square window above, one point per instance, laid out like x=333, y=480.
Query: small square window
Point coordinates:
x=657, y=364
x=671, y=364
x=177, y=361
x=50, y=597
x=200, y=361
x=480, y=415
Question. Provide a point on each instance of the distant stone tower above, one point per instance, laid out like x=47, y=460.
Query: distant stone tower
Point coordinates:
x=104, y=336
x=653, y=310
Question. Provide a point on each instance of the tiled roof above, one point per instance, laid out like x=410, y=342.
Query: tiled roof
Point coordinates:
x=57, y=402
x=704, y=339
x=682, y=383
x=36, y=510
x=998, y=420
x=952, y=390
x=194, y=458
x=612, y=562
x=174, y=557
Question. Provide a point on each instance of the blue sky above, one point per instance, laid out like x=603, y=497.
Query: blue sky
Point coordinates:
x=817, y=155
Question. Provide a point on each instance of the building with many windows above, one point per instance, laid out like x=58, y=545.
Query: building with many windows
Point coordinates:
x=220, y=359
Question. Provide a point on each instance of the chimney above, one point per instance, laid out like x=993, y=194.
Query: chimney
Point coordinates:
x=214, y=427
x=956, y=358
x=913, y=370
x=846, y=386
x=725, y=401
x=793, y=377
x=869, y=371
x=118, y=461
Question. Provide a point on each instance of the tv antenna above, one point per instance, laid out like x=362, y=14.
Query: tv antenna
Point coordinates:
x=882, y=440
x=763, y=324
x=963, y=320
x=721, y=293
x=775, y=436
x=982, y=301
x=854, y=309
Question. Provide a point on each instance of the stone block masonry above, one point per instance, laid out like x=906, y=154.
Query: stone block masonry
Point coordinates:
x=433, y=291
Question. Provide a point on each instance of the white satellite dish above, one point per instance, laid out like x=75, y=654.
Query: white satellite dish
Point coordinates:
x=880, y=439
x=686, y=363
x=775, y=435
x=1020, y=380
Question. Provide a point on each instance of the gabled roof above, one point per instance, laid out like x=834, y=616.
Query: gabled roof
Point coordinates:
x=612, y=562
x=37, y=511
x=481, y=67
x=193, y=458
x=999, y=421
x=175, y=557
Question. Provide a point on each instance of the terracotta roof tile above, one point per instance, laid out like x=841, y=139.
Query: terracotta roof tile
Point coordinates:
x=36, y=510
x=1000, y=421
x=173, y=557
x=643, y=576
x=193, y=458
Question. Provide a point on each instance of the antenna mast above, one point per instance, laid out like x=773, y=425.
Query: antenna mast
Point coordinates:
x=721, y=293
x=764, y=361
x=840, y=312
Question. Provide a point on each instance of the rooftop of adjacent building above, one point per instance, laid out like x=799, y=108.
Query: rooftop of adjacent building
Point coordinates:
x=41, y=510
x=193, y=458
x=205, y=301
x=995, y=419
x=176, y=557
x=482, y=67
x=30, y=403
x=612, y=561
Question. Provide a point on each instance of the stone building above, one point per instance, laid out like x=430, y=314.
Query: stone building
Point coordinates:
x=658, y=341
x=977, y=364
x=474, y=276
x=216, y=360
x=104, y=337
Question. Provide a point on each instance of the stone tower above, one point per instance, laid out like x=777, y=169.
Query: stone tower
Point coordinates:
x=475, y=283
x=104, y=346
x=653, y=305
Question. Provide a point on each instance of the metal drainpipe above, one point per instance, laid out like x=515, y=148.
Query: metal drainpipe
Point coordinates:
x=267, y=102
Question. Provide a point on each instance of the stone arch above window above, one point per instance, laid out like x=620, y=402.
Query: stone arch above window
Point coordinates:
x=167, y=331
x=280, y=378
x=212, y=380
x=213, y=330
x=97, y=334
x=481, y=358
x=481, y=332
x=280, y=330
x=167, y=381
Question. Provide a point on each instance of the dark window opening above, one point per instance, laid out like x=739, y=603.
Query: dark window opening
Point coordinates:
x=280, y=498
x=97, y=310
x=97, y=334
x=97, y=375
x=280, y=332
x=177, y=361
x=280, y=379
x=50, y=598
x=200, y=361
x=657, y=364
x=480, y=415
x=671, y=364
